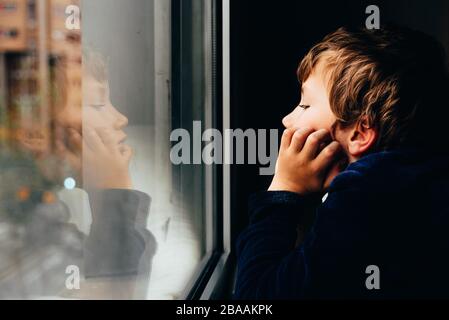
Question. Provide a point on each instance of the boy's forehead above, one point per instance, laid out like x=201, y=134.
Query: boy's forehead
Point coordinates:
x=318, y=78
x=93, y=84
x=94, y=90
x=312, y=84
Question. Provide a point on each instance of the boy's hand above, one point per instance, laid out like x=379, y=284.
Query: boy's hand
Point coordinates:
x=105, y=161
x=69, y=150
x=303, y=165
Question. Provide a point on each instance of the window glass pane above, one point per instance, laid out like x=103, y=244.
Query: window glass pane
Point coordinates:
x=92, y=206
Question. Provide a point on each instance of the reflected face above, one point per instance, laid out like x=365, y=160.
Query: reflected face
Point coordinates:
x=96, y=113
x=314, y=110
x=97, y=110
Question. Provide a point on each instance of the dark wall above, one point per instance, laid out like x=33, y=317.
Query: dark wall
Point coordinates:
x=268, y=39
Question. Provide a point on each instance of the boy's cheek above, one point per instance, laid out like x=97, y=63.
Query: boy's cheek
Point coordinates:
x=302, y=122
x=312, y=119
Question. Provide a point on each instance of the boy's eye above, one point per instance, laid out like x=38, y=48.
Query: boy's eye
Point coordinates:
x=303, y=106
x=98, y=107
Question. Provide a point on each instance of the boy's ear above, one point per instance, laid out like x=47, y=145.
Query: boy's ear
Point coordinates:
x=361, y=138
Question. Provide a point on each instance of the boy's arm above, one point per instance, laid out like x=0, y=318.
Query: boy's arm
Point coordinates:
x=269, y=243
x=118, y=235
x=329, y=263
x=269, y=265
x=119, y=250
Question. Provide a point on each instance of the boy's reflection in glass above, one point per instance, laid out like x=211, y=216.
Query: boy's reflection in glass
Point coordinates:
x=97, y=130
x=88, y=145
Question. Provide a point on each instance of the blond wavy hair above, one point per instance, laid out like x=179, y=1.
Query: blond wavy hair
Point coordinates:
x=392, y=77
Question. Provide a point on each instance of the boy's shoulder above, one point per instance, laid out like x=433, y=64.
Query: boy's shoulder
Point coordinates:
x=391, y=171
x=389, y=191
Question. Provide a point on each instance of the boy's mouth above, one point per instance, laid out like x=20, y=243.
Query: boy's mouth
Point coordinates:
x=123, y=139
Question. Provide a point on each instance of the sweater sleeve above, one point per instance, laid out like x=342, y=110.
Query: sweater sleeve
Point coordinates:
x=118, y=235
x=329, y=263
x=269, y=267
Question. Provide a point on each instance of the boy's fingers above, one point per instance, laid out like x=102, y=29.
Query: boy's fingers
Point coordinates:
x=127, y=152
x=93, y=140
x=286, y=138
x=300, y=138
x=75, y=140
x=107, y=138
x=312, y=145
x=60, y=147
x=327, y=156
x=66, y=155
x=73, y=160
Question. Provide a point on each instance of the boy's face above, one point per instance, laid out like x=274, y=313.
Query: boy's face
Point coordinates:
x=98, y=110
x=95, y=112
x=316, y=113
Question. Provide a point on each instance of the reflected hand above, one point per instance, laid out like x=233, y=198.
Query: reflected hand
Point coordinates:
x=70, y=153
x=105, y=160
x=35, y=141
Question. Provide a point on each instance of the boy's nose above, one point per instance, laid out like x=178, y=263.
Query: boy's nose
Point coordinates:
x=286, y=121
x=293, y=119
x=121, y=121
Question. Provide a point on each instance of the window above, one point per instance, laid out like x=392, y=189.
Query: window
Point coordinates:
x=92, y=205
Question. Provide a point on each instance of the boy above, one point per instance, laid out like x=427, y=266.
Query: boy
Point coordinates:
x=377, y=100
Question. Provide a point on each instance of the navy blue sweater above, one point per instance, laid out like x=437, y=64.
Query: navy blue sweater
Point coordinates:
x=389, y=209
